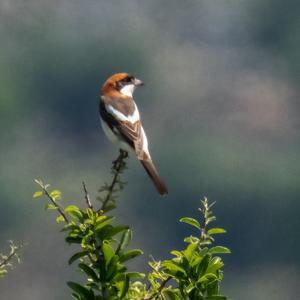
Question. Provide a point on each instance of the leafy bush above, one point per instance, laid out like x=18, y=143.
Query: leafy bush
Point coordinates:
x=192, y=273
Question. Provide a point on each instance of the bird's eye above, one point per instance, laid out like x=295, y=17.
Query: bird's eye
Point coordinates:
x=128, y=79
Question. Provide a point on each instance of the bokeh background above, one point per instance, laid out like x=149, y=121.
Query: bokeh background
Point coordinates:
x=221, y=110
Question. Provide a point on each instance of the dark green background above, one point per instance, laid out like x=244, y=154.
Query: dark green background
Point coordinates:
x=220, y=107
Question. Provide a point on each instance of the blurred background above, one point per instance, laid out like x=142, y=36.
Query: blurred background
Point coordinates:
x=221, y=110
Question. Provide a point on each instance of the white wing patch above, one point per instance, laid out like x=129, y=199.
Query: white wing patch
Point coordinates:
x=119, y=116
x=145, y=142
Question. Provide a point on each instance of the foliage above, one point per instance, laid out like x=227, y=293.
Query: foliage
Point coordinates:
x=192, y=273
x=8, y=261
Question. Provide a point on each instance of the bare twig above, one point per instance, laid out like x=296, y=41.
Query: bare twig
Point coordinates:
x=52, y=200
x=59, y=209
x=117, y=168
x=87, y=196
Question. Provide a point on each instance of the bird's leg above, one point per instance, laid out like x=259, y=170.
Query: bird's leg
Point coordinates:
x=124, y=153
x=120, y=159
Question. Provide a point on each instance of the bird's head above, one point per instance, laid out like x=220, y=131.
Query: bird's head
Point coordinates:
x=122, y=83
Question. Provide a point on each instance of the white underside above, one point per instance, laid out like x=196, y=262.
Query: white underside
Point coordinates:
x=114, y=138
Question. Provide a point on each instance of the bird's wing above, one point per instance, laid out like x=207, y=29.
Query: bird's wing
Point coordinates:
x=129, y=128
x=133, y=133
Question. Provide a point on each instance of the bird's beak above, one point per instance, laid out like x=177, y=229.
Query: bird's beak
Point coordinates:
x=138, y=82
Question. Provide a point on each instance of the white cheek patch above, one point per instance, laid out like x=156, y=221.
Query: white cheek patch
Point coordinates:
x=127, y=90
x=121, y=117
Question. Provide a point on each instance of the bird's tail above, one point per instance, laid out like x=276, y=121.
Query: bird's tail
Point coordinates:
x=153, y=174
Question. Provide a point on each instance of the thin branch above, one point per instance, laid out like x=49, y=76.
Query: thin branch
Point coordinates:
x=87, y=196
x=206, y=212
x=5, y=263
x=162, y=285
x=59, y=209
x=9, y=257
x=117, y=168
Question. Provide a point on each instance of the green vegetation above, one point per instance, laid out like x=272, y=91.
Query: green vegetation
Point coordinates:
x=192, y=273
x=8, y=261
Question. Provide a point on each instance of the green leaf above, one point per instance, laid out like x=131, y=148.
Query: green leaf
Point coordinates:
x=77, y=256
x=102, y=224
x=76, y=296
x=216, y=298
x=60, y=219
x=172, y=294
x=101, y=219
x=125, y=240
x=130, y=254
x=108, y=231
x=108, y=252
x=89, y=271
x=90, y=213
x=124, y=287
x=176, y=253
x=70, y=227
x=38, y=194
x=112, y=231
x=191, y=239
x=51, y=206
x=173, y=268
x=202, y=267
x=215, y=264
x=191, y=289
x=189, y=251
x=112, y=267
x=219, y=250
x=210, y=219
x=216, y=230
x=71, y=208
x=191, y=221
x=74, y=212
x=207, y=277
x=213, y=288
x=81, y=290
x=203, y=251
x=56, y=194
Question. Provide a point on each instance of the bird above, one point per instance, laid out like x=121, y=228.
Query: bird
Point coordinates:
x=121, y=122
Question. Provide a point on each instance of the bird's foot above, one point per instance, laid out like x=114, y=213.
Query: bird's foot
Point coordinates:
x=124, y=153
x=120, y=160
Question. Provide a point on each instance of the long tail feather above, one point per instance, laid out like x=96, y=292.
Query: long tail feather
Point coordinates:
x=153, y=174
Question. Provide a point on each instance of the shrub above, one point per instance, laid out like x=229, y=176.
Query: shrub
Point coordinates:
x=195, y=272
